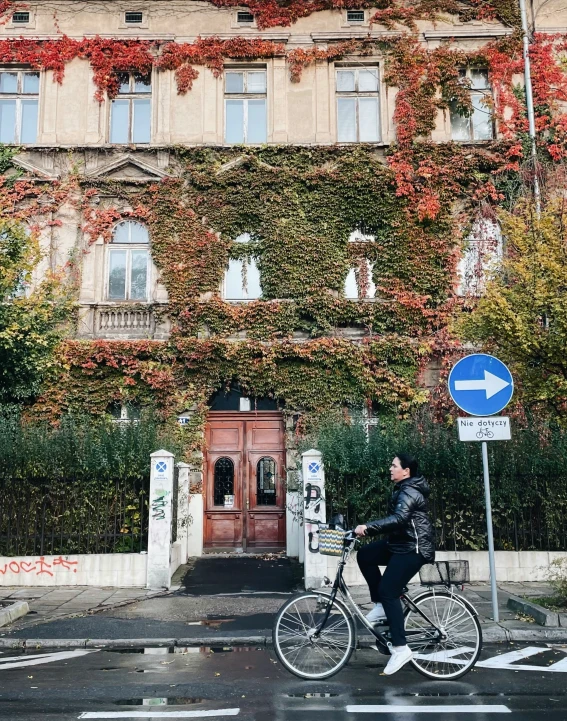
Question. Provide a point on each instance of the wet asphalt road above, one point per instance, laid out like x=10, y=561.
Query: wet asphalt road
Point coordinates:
x=251, y=685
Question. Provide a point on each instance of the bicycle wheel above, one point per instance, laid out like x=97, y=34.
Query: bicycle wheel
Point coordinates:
x=458, y=650
x=297, y=647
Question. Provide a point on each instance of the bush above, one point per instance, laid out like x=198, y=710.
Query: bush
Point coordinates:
x=557, y=575
x=80, y=488
x=528, y=482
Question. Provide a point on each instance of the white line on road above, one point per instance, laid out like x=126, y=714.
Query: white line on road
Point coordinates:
x=166, y=714
x=507, y=661
x=428, y=709
x=45, y=658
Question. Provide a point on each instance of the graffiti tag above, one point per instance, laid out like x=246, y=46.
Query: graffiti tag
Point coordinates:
x=39, y=566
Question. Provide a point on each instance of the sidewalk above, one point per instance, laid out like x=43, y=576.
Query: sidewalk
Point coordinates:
x=73, y=617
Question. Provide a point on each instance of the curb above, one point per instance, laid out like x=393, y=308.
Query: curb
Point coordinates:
x=543, y=616
x=491, y=635
x=30, y=644
x=13, y=611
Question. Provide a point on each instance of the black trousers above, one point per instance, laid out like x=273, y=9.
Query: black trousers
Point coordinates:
x=387, y=588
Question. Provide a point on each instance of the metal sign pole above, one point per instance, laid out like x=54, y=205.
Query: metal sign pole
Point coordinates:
x=491, y=561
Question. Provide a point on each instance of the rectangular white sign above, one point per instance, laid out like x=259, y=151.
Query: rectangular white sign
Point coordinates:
x=493, y=428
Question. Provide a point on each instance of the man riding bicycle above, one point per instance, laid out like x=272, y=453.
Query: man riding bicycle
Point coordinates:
x=410, y=544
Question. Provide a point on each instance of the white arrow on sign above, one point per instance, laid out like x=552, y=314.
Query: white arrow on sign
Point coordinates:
x=491, y=384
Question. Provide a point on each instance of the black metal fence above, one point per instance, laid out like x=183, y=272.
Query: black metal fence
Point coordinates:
x=459, y=519
x=47, y=517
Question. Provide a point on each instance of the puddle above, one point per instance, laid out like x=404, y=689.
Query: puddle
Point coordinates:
x=149, y=650
x=164, y=650
x=312, y=695
x=177, y=701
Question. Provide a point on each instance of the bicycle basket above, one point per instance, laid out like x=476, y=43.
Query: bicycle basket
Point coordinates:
x=445, y=573
x=331, y=542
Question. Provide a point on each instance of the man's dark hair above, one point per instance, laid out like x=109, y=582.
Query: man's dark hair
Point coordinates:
x=407, y=461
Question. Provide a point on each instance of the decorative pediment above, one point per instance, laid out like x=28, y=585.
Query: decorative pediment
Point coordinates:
x=127, y=168
x=31, y=171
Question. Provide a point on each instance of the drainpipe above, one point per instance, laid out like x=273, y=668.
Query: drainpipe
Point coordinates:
x=530, y=101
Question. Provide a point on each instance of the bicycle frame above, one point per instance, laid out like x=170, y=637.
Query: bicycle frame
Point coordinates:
x=340, y=585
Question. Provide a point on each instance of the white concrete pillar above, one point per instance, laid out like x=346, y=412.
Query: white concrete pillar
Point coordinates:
x=293, y=523
x=159, y=533
x=183, y=508
x=315, y=566
x=195, y=529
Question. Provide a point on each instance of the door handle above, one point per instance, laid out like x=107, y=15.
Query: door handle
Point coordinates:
x=247, y=504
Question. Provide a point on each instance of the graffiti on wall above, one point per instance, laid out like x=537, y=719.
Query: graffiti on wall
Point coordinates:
x=158, y=506
x=40, y=566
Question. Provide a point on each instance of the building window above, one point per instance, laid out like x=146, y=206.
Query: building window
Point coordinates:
x=125, y=413
x=479, y=124
x=130, y=114
x=19, y=97
x=224, y=482
x=355, y=16
x=266, y=482
x=359, y=283
x=357, y=105
x=21, y=18
x=481, y=256
x=133, y=18
x=128, y=263
x=242, y=277
x=245, y=106
x=244, y=18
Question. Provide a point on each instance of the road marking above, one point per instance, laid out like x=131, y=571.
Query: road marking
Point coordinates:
x=428, y=709
x=44, y=658
x=442, y=656
x=157, y=714
x=507, y=661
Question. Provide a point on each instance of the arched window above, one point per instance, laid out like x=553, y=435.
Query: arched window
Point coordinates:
x=224, y=480
x=128, y=262
x=481, y=255
x=359, y=283
x=242, y=277
x=266, y=482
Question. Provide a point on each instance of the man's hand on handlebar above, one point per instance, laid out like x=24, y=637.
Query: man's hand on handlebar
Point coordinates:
x=360, y=530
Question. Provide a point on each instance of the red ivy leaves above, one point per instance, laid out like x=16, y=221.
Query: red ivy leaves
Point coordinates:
x=211, y=52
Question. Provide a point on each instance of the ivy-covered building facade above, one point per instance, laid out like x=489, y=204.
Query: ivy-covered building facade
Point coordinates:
x=265, y=212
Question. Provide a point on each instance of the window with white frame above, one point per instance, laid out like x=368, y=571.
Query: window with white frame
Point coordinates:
x=358, y=105
x=19, y=99
x=130, y=113
x=359, y=283
x=242, y=277
x=129, y=263
x=245, y=106
x=125, y=412
x=481, y=256
x=479, y=124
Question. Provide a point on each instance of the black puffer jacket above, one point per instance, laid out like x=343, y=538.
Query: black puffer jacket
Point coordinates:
x=407, y=521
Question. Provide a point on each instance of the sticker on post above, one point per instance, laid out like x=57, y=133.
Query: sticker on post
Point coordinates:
x=494, y=428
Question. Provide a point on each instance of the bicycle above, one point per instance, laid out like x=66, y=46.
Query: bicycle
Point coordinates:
x=315, y=633
x=485, y=433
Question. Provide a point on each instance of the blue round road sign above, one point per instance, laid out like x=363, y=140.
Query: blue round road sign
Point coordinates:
x=481, y=384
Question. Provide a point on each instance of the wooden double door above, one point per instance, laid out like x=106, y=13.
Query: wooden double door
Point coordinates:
x=245, y=481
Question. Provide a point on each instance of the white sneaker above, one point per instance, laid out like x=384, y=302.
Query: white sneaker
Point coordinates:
x=400, y=656
x=377, y=614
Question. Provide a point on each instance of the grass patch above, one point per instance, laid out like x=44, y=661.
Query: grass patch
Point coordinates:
x=552, y=603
